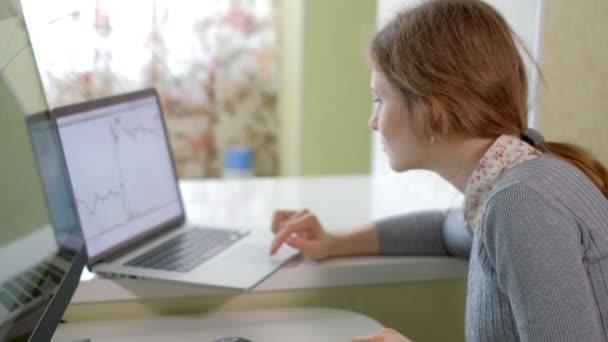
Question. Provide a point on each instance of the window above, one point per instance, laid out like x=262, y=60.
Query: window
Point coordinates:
x=213, y=62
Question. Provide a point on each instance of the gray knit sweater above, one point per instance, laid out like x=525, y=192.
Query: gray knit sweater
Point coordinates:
x=538, y=267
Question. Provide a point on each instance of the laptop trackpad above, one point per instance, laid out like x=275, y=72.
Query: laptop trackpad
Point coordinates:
x=254, y=254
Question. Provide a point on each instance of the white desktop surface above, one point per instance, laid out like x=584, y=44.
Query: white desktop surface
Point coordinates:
x=293, y=324
x=340, y=202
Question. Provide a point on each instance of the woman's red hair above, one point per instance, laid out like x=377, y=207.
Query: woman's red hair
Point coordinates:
x=458, y=59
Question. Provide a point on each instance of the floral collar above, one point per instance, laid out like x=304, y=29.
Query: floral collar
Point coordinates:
x=506, y=152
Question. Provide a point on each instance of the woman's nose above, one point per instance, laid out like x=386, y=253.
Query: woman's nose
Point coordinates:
x=373, y=122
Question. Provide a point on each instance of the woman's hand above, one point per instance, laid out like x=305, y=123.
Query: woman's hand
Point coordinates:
x=384, y=335
x=301, y=230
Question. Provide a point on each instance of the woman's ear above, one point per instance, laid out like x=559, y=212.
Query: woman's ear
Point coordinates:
x=437, y=121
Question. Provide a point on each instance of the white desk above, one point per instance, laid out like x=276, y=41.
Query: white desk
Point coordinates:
x=408, y=293
x=295, y=325
x=339, y=201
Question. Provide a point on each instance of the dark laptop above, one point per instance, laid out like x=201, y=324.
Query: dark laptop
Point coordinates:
x=37, y=275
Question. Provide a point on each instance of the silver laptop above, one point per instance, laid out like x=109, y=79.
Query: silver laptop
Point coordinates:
x=129, y=205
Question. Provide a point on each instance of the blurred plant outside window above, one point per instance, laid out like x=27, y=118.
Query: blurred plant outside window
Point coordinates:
x=214, y=62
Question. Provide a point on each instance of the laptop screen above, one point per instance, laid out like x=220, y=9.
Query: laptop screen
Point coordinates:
x=120, y=167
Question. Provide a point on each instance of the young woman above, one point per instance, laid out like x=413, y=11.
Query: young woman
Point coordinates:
x=450, y=92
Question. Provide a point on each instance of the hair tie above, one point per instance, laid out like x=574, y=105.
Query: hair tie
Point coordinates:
x=532, y=137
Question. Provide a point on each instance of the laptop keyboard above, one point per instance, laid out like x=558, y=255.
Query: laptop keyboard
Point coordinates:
x=28, y=285
x=187, y=250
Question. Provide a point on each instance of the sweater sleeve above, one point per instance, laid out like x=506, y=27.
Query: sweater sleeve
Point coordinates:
x=440, y=232
x=538, y=258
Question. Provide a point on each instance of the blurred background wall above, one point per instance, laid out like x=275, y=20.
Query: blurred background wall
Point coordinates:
x=574, y=63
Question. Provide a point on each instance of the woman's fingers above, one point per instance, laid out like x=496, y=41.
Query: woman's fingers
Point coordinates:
x=301, y=224
x=374, y=338
x=279, y=217
x=384, y=335
x=307, y=247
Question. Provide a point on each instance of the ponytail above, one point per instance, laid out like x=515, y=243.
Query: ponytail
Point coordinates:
x=582, y=159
